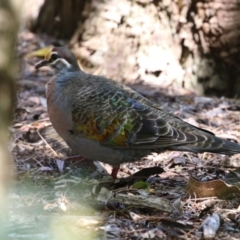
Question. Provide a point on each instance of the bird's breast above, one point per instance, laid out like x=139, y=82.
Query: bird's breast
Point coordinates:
x=59, y=111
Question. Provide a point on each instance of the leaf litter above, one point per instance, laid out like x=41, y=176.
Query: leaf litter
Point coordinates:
x=52, y=199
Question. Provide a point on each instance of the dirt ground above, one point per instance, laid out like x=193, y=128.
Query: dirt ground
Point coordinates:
x=52, y=199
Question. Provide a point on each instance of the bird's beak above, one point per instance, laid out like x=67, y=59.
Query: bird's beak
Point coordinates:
x=41, y=64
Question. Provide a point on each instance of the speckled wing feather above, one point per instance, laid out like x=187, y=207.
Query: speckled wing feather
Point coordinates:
x=101, y=119
x=116, y=116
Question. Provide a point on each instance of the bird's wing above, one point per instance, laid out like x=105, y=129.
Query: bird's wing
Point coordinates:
x=121, y=118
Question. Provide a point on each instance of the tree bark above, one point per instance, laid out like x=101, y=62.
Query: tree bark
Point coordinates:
x=59, y=18
x=217, y=35
x=185, y=44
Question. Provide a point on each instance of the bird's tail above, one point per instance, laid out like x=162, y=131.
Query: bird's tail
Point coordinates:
x=211, y=144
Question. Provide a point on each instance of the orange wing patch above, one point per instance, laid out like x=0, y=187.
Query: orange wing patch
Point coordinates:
x=111, y=134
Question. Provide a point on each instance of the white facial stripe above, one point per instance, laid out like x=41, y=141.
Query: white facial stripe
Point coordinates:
x=63, y=61
x=60, y=64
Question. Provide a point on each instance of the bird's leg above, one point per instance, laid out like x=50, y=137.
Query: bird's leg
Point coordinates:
x=115, y=172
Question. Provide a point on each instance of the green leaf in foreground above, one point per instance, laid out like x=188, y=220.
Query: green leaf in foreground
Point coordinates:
x=141, y=185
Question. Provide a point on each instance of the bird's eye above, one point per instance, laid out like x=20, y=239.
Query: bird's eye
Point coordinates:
x=54, y=57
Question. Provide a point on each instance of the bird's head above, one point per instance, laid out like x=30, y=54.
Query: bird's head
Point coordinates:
x=60, y=59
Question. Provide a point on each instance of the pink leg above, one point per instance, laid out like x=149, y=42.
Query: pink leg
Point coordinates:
x=115, y=172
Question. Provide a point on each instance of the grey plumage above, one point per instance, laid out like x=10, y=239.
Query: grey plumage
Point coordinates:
x=107, y=121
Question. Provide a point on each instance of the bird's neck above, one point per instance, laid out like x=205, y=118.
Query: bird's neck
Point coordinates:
x=64, y=70
x=62, y=66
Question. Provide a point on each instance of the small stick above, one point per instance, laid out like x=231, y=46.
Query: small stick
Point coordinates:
x=47, y=144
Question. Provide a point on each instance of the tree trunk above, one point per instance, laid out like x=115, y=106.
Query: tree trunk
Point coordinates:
x=217, y=35
x=59, y=18
x=150, y=42
x=8, y=30
x=184, y=44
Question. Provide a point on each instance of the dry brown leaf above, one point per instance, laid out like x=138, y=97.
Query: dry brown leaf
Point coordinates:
x=213, y=188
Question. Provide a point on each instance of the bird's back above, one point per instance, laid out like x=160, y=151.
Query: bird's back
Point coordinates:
x=118, y=117
x=101, y=119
